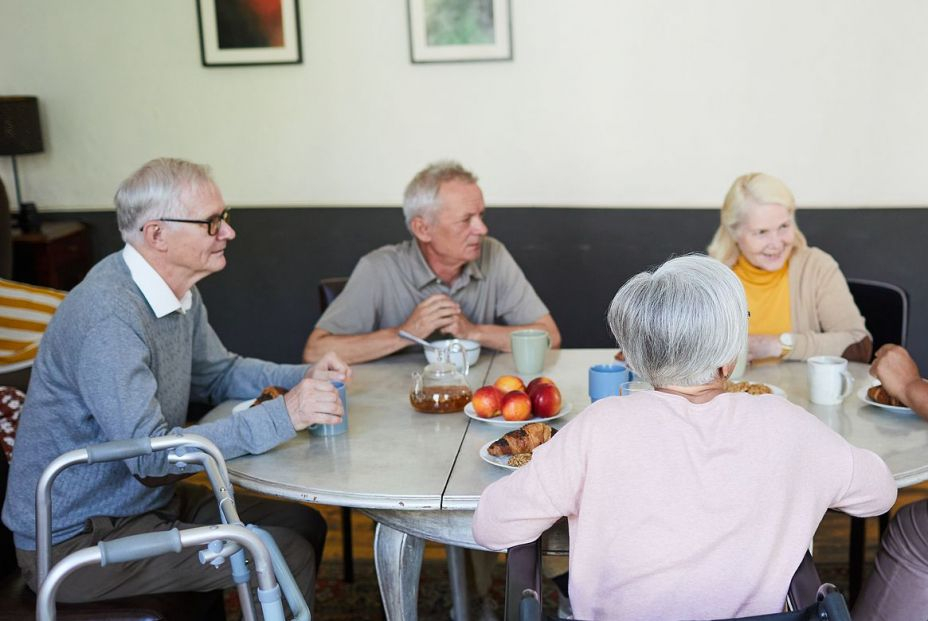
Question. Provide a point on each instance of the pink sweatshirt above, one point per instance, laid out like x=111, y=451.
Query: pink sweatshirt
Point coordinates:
x=684, y=511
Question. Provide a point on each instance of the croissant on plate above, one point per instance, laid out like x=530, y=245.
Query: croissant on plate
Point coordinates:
x=271, y=392
x=880, y=395
x=523, y=440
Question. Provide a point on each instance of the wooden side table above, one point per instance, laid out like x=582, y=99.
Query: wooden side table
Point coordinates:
x=57, y=256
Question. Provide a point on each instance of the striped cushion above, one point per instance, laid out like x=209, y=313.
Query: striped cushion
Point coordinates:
x=25, y=311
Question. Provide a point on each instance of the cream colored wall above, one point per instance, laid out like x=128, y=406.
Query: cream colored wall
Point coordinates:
x=607, y=102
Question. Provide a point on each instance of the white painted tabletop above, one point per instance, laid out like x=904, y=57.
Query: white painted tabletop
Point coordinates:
x=392, y=457
x=395, y=458
x=900, y=439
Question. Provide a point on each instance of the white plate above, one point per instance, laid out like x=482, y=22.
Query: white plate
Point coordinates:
x=499, y=420
x=899, y=409
x=773, y=389
x=502, y=462
x=244, y=405
x=776, y=389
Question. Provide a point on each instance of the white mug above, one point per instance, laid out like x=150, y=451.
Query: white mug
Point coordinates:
x=829, y=381
x=741, y=364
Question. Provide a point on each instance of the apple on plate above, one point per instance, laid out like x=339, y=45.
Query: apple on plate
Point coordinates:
x=508, y=383
x=535, y=383
x=487, y=401
x=546, y=401
x=516, y=406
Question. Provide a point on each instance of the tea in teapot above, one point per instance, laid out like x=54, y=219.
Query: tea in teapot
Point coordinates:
x=440, y=388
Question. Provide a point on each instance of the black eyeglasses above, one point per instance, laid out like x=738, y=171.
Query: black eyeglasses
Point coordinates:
x=212, y=224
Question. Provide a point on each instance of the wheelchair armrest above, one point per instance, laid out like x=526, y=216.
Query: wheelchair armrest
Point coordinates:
x=523, y=572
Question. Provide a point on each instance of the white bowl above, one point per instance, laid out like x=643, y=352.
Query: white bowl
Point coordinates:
x=471, y=348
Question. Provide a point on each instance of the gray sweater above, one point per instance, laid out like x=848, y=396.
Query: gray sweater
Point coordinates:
x=108, y=369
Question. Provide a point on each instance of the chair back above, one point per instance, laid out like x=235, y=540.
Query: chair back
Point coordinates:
x=885, y=308
x=329, y=288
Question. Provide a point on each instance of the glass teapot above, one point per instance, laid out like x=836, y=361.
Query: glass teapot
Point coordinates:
x=440, y=388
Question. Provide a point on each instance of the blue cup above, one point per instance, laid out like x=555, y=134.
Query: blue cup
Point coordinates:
x=318, y=429
x=605, y=380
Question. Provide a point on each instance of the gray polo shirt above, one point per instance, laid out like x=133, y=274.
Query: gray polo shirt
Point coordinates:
x=389, y=282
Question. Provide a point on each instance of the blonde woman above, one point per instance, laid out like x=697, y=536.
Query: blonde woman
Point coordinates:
x=799, y=299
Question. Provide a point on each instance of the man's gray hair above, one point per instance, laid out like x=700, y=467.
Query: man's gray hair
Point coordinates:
x=157, y=190
x=421, y=196
x=678, y=324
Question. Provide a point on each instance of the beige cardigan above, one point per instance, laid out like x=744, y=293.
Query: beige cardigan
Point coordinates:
x=824, y=317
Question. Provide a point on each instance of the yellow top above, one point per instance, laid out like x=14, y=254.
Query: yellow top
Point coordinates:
x=768, y=297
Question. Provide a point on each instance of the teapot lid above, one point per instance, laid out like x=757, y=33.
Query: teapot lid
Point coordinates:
x=441, y=368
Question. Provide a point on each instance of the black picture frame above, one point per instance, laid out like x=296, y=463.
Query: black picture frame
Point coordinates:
x=236, y=33
x=449, y=31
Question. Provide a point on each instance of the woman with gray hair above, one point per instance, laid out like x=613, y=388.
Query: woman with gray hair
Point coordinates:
x=685, y=501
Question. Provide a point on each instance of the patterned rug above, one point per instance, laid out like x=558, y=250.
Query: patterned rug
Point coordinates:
x=360, y=600
x=337, y=600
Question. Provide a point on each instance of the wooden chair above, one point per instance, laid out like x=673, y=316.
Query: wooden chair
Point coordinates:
x=807, y=598
x=329, y=288
x=885, y=308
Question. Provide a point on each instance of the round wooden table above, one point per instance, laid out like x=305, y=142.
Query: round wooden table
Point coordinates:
x=420, y=476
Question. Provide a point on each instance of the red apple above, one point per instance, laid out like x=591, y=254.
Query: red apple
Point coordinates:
x=487, y=401
x=546, y=401
x=516, y=406
x=508, y=383
x=535, y=383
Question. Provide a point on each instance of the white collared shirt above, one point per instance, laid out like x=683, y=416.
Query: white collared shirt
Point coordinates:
x=157, y=292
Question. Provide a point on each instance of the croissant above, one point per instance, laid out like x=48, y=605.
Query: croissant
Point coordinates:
x=522, y=440
x=271, y=392
x=880, y=395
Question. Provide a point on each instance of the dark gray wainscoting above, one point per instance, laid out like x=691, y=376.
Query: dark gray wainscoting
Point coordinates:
x=265, y=302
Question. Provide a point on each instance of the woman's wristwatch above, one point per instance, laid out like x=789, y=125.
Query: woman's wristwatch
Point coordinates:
x=787, y=342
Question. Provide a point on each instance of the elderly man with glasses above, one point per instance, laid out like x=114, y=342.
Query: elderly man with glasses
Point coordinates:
x=125, y=354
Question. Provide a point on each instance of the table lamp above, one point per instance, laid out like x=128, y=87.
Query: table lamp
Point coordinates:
x=21, y=133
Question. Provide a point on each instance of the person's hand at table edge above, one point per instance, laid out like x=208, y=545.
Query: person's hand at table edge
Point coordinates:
x=899, y=374
x=330, y=367
x=313, y=401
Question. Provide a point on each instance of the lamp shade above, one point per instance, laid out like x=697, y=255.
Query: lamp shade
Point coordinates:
x=20, y=131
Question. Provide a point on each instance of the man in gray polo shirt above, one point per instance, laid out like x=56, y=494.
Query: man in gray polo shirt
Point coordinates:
x=450, y=278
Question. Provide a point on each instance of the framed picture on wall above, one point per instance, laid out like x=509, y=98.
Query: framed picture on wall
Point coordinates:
x=249, y=32
x=459, y=30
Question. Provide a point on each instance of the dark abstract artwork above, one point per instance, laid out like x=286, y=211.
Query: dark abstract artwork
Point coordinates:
x=249, y=32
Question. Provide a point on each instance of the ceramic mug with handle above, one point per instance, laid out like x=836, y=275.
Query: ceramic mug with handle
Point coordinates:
x=528, y=350
x=829, y=380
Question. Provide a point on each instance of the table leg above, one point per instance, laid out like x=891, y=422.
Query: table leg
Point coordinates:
x=457, y=574
x=398, y=560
